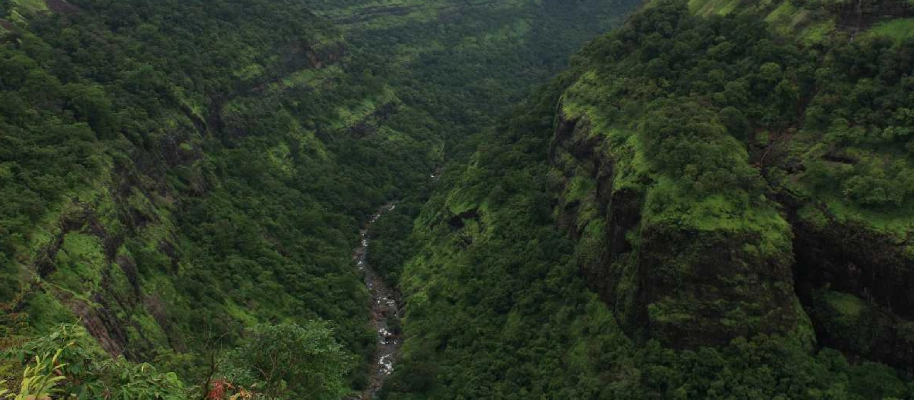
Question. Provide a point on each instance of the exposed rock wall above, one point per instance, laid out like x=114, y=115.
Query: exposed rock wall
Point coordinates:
x=682, y=285
x=691, y=287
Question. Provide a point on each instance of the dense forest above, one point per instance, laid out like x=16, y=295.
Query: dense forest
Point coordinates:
x=710, y=203
x=183, y=182
x=587, y=199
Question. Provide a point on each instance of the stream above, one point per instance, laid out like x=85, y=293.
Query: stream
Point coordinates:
x=384, y=309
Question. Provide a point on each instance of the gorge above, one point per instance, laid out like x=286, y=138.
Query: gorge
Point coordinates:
x=474, y=199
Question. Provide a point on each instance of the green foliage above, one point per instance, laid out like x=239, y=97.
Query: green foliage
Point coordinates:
x=78, y=368
x=899, y=29
x=39, y=379
x=194, y=168
x=762, y=368
x=80, y=262
x=499, y=310
x=696, y=111
x=289, y=361
x=110, y=135
x=391, y=244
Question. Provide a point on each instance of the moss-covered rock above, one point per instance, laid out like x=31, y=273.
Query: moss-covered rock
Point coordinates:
x=687, y=272
x=862, y=328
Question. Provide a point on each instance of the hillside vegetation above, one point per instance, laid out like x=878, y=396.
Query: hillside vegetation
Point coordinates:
x=183, y=182
x=714, y=200
x=707, y=205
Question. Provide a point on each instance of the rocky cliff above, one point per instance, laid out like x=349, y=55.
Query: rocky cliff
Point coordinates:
x=724, y=183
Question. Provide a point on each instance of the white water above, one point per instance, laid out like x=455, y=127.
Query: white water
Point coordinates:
x=384, y=308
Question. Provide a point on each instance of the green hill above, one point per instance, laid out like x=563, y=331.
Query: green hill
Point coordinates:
x=712, y=199
x=733, y=195
x=183, y=182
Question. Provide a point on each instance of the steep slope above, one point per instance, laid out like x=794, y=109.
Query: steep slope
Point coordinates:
x=711, y=129
x=175, y=174
x=465, y=62
x=736, y=192
x=169, y=184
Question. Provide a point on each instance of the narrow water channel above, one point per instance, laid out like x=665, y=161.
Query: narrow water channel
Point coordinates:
x=384, y=309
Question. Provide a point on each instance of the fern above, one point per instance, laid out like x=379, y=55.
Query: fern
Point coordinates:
x=40, y=380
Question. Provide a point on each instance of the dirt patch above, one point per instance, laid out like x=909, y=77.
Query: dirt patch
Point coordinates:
x=7, y=25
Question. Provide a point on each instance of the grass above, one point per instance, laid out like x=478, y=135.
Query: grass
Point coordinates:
x=512, y=31
x=591, y=243
x=784, y=11
x=897, y=29
x=95, y=193
x=849, y=306
x=898, y=221
x=149, y=329
x=351, y=115
x=22, y=9
x=281, y=159
x=45, y=312
x=309, y=77
x=580, y=188
x=668, y=201
x=79, y=262
x=30, y=5
x=817, y=32
x=250, y=72
x=713, y=7
x=418, y=11
x=785, y=18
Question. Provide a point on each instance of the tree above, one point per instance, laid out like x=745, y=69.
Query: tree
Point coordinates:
x=90, y=104
x=69, y=361
x=5, y=7
x=290, y=361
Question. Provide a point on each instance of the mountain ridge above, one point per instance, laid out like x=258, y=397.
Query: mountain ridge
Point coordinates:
x=705, y=171
x=185, y=180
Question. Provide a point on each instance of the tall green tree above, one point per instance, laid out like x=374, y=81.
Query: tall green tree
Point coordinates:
x=290, y=361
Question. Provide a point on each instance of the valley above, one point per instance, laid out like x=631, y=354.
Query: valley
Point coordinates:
x=385, y=311
x=456, y=199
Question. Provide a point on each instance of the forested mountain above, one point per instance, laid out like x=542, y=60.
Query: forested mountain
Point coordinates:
x=714, y=201
x=183, y=182
x=585, y=199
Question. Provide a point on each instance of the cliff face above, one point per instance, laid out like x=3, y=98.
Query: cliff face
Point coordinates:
x=687, y=285
x=720, y=185
x=172, y=183
x=163, y=183
x=854, y=279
